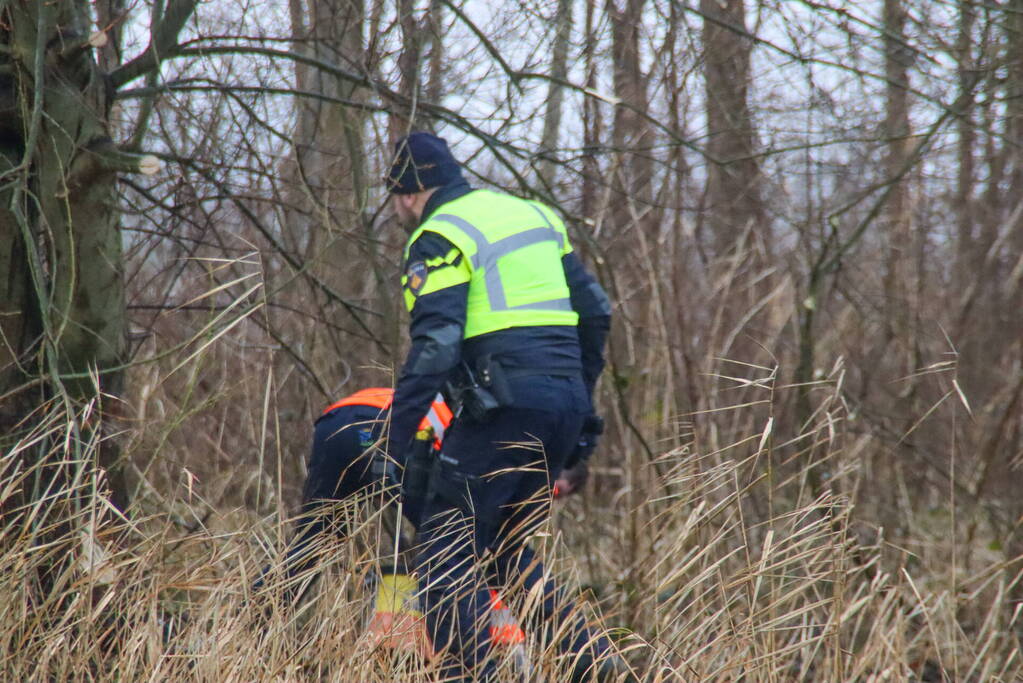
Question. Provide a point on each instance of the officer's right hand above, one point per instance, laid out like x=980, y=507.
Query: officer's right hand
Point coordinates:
x=571, y=480
x=589, y=437
x=576, y=471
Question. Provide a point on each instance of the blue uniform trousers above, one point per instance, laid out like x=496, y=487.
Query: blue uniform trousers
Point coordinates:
x=339, y=467
x=490, y=493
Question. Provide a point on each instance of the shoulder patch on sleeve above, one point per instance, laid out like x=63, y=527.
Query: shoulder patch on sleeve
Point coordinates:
x=416, y=273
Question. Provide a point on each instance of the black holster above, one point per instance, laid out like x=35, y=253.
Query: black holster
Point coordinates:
x=480, y=391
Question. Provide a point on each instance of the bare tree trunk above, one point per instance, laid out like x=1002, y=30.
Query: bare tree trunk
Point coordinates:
x=631, y=198
x=981, y=300
x=592, y=118
x=403, y=118
x=898, y=220
x=1013, y=288
x=678, y=259
x=631, y=135
x=64, y=319
x=1005, y=338
x=965, y=218
x=733, y=193
x=555, y=91
x=995, y=161
x=971, y=214
x=435, y=82
x=110, y=14
x=329, y=217
x=330, y=136
x=733, y=204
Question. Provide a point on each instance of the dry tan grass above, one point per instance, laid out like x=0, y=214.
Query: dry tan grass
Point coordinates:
x=729, y=568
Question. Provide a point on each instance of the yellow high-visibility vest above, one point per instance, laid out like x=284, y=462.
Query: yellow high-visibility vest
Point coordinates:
x=512, y=248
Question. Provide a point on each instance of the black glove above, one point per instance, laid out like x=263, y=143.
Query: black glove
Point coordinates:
x=589, y=436
x=572, y=480
x=415, y=479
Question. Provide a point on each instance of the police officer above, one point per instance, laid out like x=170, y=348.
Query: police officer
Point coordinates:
x=346, y=461
x=504, y=318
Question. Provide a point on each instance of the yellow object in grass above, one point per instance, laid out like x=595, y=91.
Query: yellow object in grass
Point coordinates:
x=397, y=623
x=397, y=593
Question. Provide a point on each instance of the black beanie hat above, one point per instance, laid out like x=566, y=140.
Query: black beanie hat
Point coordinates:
x=421, y=161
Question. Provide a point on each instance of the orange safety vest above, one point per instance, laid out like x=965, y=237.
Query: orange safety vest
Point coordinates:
x=438, y=417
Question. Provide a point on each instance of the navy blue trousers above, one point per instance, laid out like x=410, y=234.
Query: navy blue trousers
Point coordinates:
x=339, y=467
x=491, y=492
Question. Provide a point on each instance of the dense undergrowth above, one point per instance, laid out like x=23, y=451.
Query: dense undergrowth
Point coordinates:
x=752, y=561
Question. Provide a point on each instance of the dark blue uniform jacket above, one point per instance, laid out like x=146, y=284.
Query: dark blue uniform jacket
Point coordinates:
x=437, y=350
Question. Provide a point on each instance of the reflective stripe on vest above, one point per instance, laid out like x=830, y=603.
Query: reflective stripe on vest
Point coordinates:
x=438, y=417
x=488, y=252
x=512, y=249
